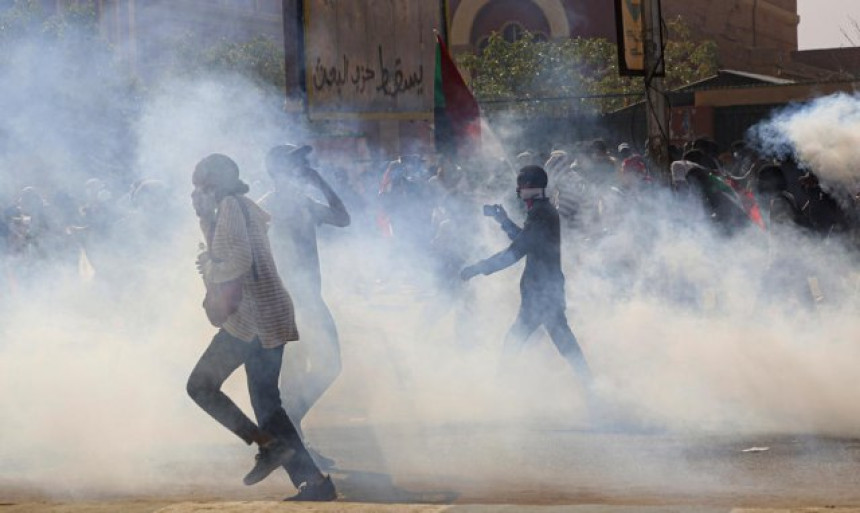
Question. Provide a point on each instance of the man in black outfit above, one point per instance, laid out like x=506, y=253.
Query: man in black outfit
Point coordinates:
x=542, y=282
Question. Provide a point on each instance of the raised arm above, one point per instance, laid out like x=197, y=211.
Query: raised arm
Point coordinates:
x=522, y=241
x=501, y=216
x=335, y=212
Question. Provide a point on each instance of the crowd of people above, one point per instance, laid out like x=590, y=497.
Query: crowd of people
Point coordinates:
x=44, y=231
x=418, y=201
x=429, y=211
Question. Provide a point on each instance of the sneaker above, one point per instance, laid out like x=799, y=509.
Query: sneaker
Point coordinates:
x=270, y=457
x=320, y=492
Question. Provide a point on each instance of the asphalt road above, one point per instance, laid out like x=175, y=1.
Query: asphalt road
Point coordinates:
x=412, y=427
x=552, y=465
x=522, y=465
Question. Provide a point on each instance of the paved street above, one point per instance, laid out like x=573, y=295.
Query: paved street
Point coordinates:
x=546, y=465
x=425, y=428
x=530, y=465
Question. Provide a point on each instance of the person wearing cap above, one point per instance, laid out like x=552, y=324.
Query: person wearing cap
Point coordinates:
x=295, y=218
x=254, y=334
x=542, y=282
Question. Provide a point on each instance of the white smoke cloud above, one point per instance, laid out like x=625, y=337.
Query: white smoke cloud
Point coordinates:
x=676, y=322
x=823, y=134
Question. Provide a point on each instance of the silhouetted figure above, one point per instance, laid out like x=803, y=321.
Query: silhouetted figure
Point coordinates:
x=542, y=282
x=295, y=218
x=821, y=212
x=253, y=330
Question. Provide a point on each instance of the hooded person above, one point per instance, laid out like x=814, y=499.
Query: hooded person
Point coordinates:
x=254, y=326
x=771, y=187
x=295, y=218
x=542, y=283
x=821, y=212
x=710, y=148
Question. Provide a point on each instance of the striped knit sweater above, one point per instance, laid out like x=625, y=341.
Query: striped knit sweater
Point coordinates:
x=266, y=310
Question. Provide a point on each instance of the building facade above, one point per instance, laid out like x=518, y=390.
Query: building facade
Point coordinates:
x=145, y=31
x=758, y=36
x=752, y=35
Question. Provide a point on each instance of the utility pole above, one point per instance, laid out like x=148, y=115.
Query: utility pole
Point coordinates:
x=655, y=102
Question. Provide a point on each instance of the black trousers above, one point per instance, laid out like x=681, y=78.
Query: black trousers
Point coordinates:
x=549, y=314
x=224, y=355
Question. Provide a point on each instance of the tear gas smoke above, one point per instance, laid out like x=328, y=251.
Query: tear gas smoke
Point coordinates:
x=681, y=331
x=822, y=134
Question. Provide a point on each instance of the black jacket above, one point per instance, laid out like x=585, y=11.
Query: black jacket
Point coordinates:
x=539, y=241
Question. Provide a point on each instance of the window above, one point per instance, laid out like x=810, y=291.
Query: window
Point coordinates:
x=513, y=31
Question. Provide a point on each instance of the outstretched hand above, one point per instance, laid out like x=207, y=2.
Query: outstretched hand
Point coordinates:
x=469, y=272
x=500, y=214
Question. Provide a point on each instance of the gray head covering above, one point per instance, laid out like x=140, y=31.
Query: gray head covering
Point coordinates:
x=219, y=172
x=285, y=155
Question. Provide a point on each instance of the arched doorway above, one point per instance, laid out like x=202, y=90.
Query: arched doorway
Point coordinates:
x=468, y=10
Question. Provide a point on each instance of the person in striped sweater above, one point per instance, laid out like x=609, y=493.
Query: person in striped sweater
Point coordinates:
x=253, y=334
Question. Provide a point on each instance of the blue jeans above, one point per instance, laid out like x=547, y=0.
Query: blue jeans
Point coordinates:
x=224, y=355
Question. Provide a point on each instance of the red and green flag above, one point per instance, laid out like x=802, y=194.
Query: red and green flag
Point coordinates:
x=457, y=118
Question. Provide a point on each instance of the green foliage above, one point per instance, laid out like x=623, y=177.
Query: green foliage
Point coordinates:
x=261, y=59
x=80, y=18
x=26, y=18
x=19, y=19
x=56, y=36
x=688, y=60
x=544, y=73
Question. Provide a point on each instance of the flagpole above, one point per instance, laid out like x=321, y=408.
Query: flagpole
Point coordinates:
x=443, y=20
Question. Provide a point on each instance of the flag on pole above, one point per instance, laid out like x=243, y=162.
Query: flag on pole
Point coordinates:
x=457, y=118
